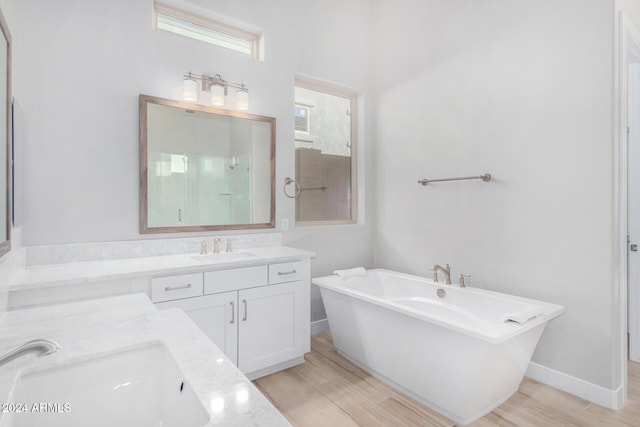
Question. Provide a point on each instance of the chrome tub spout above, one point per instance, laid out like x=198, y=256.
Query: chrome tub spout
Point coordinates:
x=446, y=270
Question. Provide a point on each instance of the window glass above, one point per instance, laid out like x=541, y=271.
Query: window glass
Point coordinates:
x=325, y=158
x=302, y=118
x=206, y=30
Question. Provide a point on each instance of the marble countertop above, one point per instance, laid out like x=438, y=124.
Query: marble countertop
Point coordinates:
x=95, y=271
x=95, y=327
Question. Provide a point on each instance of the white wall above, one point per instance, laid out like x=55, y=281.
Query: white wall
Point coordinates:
x=523, y=90
x=338, y=51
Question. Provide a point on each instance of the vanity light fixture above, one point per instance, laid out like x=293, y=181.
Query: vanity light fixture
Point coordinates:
x=217, y=87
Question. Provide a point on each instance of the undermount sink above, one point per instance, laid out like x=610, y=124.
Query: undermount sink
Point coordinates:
x=222, y=256
x=141, y=387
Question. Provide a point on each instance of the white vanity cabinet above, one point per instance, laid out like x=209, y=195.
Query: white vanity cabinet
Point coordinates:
x=215, y=315
x=270, y=328
x=257, y=315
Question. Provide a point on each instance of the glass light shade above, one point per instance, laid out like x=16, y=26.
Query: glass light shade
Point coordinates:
x=189, y=90
x=242, y=99
x=217, y=95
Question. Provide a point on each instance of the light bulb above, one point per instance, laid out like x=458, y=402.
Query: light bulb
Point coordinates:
x=189, y=90
x=242, y=99
x=217, y=95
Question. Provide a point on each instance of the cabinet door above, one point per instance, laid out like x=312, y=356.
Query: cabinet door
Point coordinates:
x=216, y=316
x=271, y=325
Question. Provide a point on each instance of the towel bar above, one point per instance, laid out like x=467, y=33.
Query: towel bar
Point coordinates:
x=486, y=178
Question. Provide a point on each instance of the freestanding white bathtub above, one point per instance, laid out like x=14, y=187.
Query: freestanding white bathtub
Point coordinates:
x=456, y=354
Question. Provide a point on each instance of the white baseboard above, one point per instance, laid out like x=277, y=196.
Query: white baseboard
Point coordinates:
x=319, y=326
x=612, y=399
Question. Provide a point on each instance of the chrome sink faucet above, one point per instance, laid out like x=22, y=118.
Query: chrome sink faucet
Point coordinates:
x=216, y=245
x=203, y=247
x=42, y=346
x=446, y=270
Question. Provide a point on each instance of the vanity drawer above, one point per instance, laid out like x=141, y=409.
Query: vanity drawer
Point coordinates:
x=176, y=287
x=285, y=272
x=234, y=279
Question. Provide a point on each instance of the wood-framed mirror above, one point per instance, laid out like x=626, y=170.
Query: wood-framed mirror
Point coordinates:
x=204, y=168
x=5, y=137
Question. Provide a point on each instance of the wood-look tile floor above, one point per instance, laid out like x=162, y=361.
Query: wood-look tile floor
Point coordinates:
x=328, y=390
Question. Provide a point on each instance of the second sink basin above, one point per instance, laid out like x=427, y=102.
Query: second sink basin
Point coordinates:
x=141, y=387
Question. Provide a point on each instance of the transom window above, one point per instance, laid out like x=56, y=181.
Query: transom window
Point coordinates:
x=207, y=30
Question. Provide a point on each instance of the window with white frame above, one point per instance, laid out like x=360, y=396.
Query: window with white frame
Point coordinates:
x=325, y=129
x=177, y=21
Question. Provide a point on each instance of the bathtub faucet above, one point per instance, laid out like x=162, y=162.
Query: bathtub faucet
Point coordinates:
x=446, y=270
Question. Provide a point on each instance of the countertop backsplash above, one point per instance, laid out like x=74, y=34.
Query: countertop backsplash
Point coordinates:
x=99, y=251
